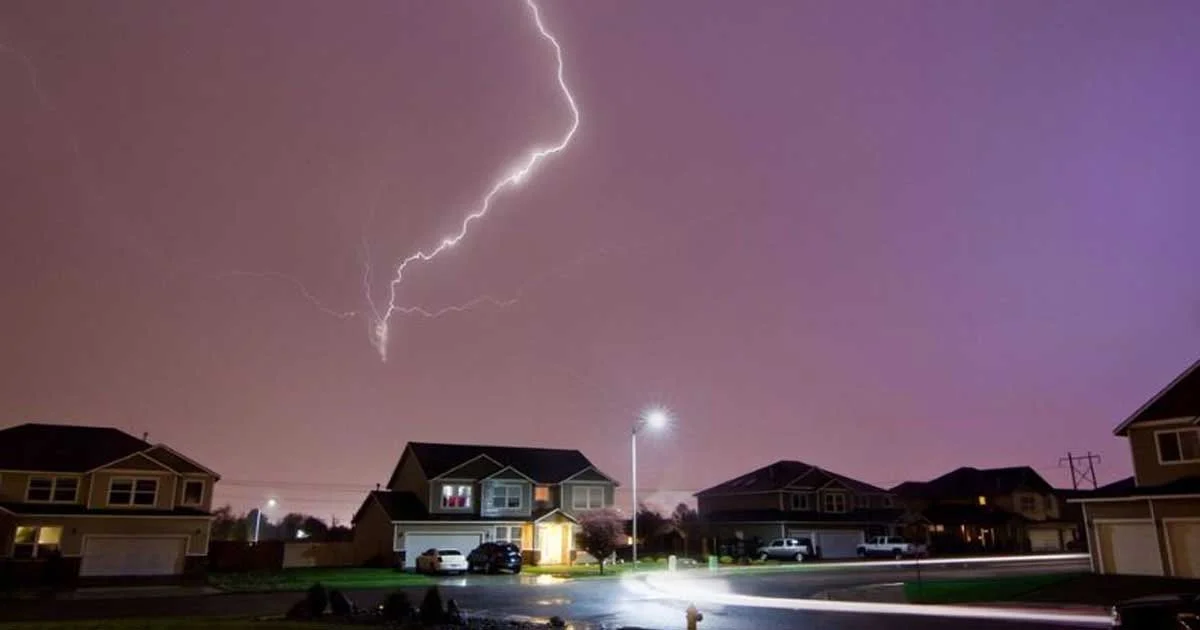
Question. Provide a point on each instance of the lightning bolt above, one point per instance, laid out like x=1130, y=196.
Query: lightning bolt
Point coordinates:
x=517, y=175
x=299, y=287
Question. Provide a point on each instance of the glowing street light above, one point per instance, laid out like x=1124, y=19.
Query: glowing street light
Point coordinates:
x=655, y=419
x=258, y=519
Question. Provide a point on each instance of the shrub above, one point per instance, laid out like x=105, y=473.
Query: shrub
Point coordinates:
x=726, y=560
x=397, y=607
x=317, y=598
x=432, y=610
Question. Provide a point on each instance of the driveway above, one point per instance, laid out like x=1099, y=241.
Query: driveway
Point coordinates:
x=611, y=602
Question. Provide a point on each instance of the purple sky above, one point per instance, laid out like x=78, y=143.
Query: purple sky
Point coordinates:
x=888, y=239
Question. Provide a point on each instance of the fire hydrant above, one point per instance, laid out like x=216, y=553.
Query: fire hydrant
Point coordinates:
x=693, y=617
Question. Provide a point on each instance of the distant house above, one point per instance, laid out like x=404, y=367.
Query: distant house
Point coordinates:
x=994, y=509
x=458, y=496
x=1150, y=525
x=795, y=499
x=107, y=503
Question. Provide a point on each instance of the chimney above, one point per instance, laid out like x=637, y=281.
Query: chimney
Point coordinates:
x=145, y=436
x=376, y=487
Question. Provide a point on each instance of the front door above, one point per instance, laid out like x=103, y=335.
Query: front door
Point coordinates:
x=551, y=543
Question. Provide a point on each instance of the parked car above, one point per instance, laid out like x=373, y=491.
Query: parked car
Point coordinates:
x=442, y=561
x=1168, y=612
x=494, y=557
x=798, y=549
x=891, y=547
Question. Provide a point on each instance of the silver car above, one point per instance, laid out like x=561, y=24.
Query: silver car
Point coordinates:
x=798, y=549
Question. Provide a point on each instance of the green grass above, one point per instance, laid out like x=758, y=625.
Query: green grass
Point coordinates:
x=176, y=624
x=300, y=579
x=996, y=589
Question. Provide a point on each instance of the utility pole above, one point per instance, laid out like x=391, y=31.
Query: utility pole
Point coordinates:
x=1080, y=474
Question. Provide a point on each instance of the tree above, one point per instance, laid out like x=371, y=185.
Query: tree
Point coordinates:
x=315, y=529
x=651, y=526
x=684, y=521
x=339, y=533
x=600, y=533
x=224, y=524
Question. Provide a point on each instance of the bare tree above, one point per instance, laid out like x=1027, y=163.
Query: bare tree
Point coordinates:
x=601, y=532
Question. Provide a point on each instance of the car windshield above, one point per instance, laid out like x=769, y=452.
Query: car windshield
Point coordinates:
x=449, y=552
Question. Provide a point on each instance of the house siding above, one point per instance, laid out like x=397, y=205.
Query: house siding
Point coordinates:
x=1145, y=458
x=373, y=535
x=12, y=486
x=410, y=478
x=478, y=468
x=590, y=475
x=76, y=529
x=137, y=462
x=759, y=501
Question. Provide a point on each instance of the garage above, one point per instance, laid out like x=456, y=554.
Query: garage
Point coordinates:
x=1128, y=548
x=1044, y=540
x=1184, y=546
x=839, y=543
x=132, y=556
x=417, y=543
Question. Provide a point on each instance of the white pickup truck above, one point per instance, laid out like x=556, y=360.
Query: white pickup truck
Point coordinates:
x=891, y=547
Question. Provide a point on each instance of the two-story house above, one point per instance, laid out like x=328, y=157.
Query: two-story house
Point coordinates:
x=458, y=496
x=993, y=509
x=105, y=502
x=795, y=499
x=1152, y=525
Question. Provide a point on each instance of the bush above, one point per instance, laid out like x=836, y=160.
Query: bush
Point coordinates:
x=317, y=598
x=397, y=607
x=726, y=560
x=432, y=610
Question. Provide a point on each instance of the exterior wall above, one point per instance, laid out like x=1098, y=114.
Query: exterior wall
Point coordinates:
x=137, y=462
x=1147, y=470
x=14, y=484
x=410, y=478
x=487, y=492
x=373, y=535
x=568, y=495
x=205, y=499
x=759, y=501
x=8, y=524
x=75, y=529
x=1039, y=511
x=589, y=475
x=477, y=468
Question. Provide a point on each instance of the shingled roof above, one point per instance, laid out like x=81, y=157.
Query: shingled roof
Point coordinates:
x=543, y=465
x=777, y=476
x=64, y=448
x=972, y=482
x=1179, y=399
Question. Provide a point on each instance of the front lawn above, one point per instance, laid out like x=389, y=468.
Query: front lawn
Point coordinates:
x=344, y=578
x=995, y=589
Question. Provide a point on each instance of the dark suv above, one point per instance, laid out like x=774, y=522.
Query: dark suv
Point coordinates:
x=494, y=557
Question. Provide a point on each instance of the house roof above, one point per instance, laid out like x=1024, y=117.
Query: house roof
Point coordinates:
x=783, y=516
x=971, y=482
x=64, y=448
x=779, y=475
x=72, y=509
x=543, y=465
x=952, y=514
x=1179, y=399
x=406, y=506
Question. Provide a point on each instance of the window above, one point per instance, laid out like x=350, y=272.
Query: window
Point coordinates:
x=587, y=497
x=887, y=500
x=35, y=542
x=862, y=502
x=193, y=492
x=982, y=500
x=52, y=489
x=138, y=492
x=509, y=534
x=801, y=502
x=1048, y=503
x=456, y=497
x=506, y=496
x=834, y=502
x=1028, y=503
x=1178, y=447
x=541, y=494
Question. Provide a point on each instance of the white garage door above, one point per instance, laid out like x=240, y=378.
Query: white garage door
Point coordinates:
x=839, y=543
x=131, y=555
x=1044, y=540
x=1129, y=548
x=416, y=544
x=1185, y=548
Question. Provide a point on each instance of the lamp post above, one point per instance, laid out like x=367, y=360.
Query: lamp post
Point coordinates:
x=655, y=419
x=258, y=519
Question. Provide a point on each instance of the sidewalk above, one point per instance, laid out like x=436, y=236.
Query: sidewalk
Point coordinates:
x=893, y=593
x=128, y=592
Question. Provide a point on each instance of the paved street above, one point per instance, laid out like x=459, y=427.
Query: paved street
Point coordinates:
x=609, y=602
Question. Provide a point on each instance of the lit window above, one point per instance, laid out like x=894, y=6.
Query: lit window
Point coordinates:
x=509, y=534
x=541, y=494
x=36, y=542
x=834, y=502
x=587, y=497
x=982, y=500
x=1178, y=447
x=137, y=492
x=456, y=497
x=52, y=489
x=800, y=502
x=506, y=497
x=193, y=492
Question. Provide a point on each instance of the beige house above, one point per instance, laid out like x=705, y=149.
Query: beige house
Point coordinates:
x=107, y=503
x=454, y=496
x=1151, y=526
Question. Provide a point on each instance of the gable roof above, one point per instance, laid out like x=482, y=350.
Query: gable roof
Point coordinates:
x=970, y=482
x=1179, y=399
x=401, y=505
x=64, y=448
x=543, y=465
x=782, y=473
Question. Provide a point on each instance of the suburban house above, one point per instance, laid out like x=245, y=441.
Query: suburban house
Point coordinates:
x=795, y=499
x=1151, y=525
x=458, y=496
x=993, y=509
x=104, y=502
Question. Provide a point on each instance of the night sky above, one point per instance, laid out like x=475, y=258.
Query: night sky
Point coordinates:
x=885, y=238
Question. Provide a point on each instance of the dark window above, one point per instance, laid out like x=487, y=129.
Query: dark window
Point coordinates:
x=1179, y=446
x=66, y=489
x=193, y=492
x=40, y=489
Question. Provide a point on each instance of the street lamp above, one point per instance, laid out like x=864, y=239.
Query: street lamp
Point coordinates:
x=258, y=519
x=654, y=419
